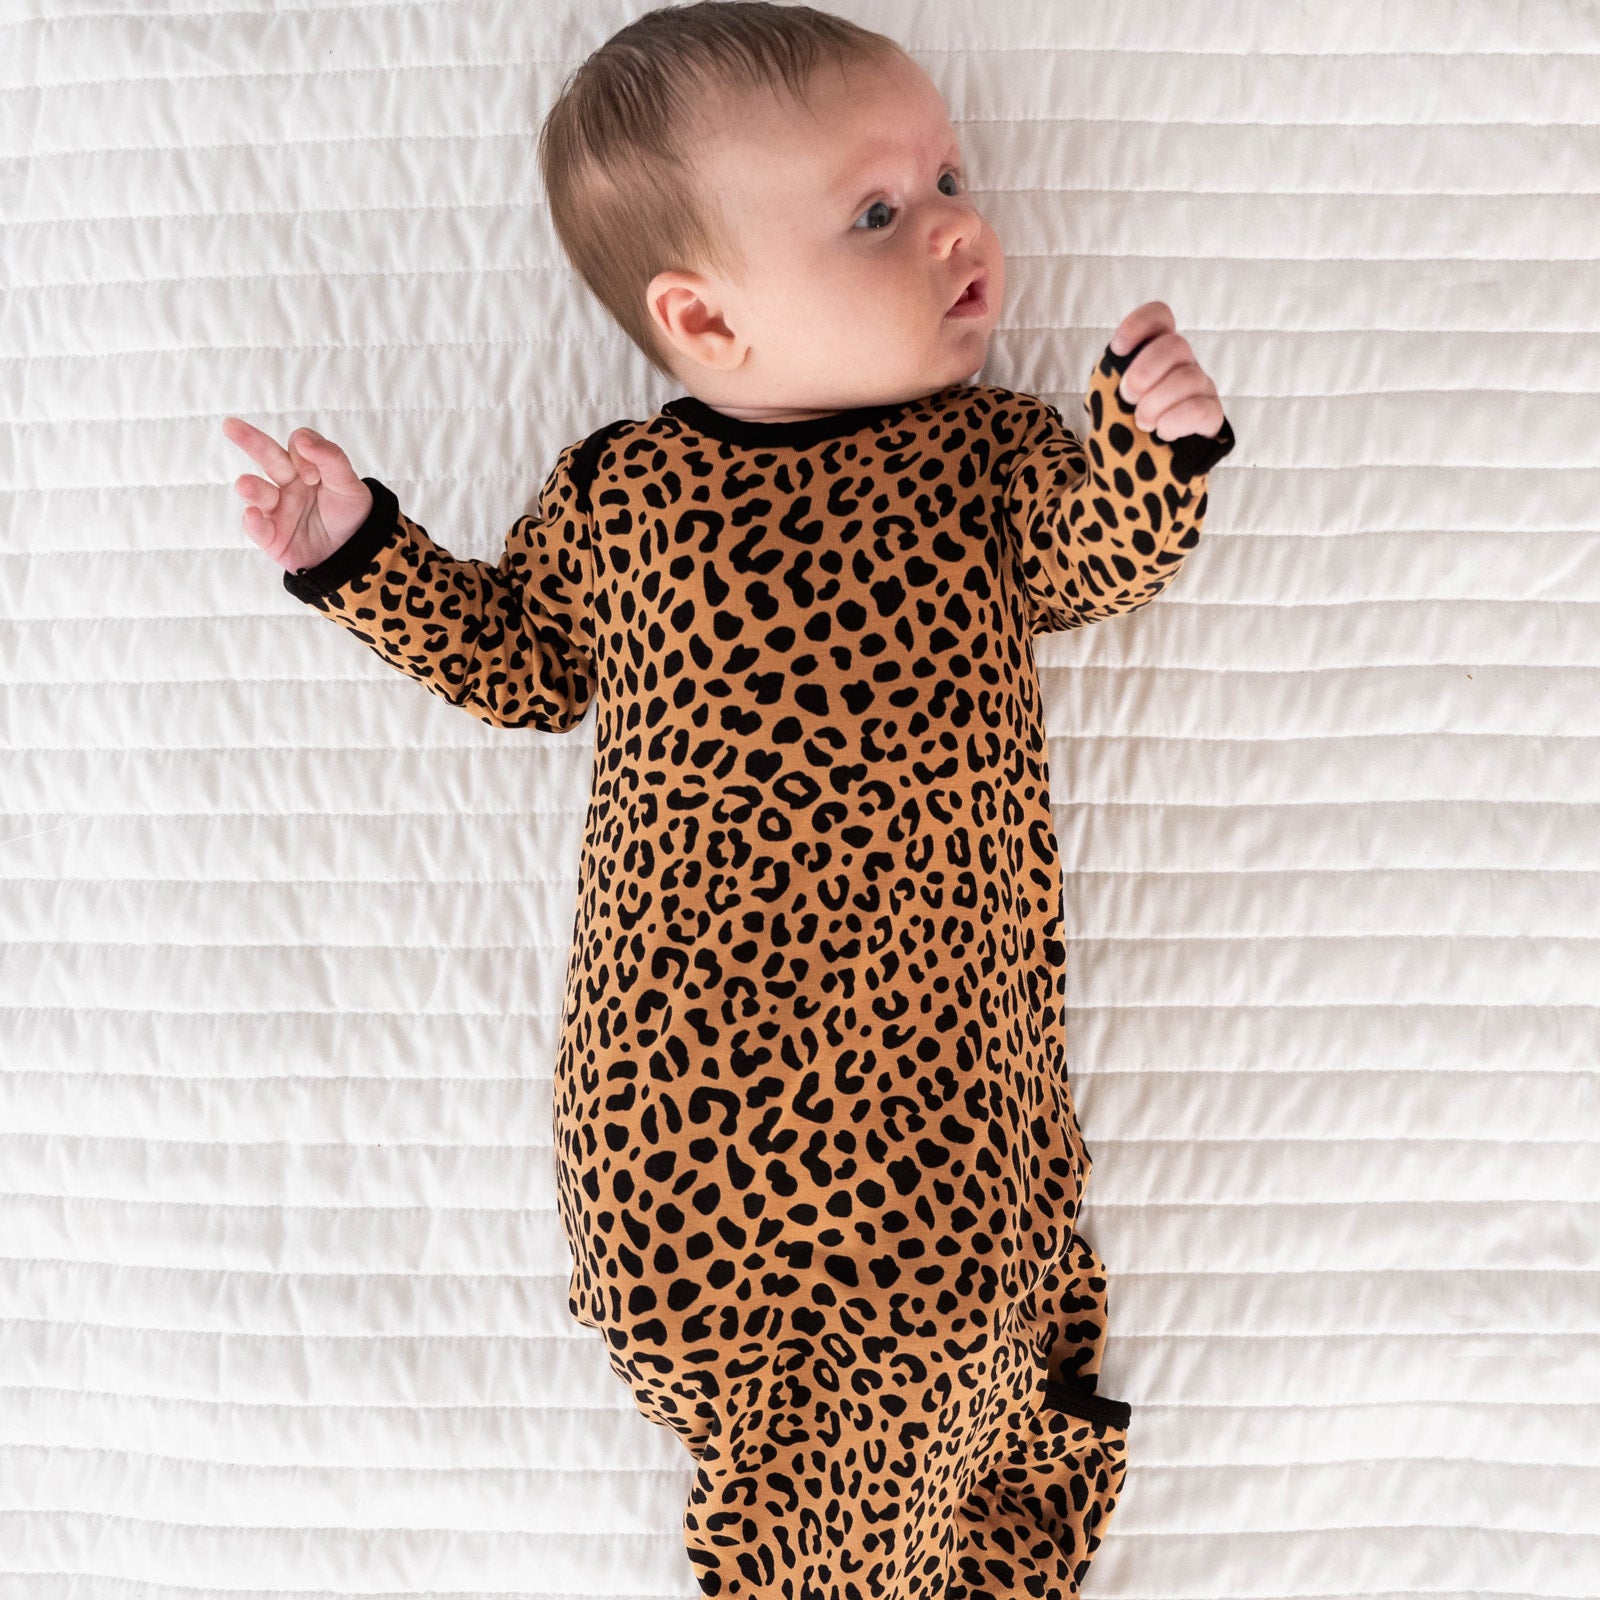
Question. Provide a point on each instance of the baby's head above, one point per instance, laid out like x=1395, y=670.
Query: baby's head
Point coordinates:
x=770, y=201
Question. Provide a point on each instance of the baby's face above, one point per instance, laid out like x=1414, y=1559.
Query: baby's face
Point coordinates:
x=859, y=234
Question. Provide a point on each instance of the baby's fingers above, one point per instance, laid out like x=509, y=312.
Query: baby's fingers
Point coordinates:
x=1157, y=408
x=1200, y=414
x=320, y=460
x=257, y=492
x=261, y=499
x=261, y=447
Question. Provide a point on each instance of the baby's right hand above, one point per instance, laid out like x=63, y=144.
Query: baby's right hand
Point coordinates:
x=311, y=500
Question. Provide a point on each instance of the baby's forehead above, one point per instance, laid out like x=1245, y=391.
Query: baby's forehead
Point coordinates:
x=786, y=122
x=841, y=128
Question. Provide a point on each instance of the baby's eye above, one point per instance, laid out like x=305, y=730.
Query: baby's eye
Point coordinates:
x=953, y=176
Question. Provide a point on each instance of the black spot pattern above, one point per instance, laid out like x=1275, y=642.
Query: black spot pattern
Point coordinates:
x=817, y=1156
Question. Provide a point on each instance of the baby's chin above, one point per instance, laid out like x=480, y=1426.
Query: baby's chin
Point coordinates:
x=954, y=361
x=962, y=365
x=947, y=373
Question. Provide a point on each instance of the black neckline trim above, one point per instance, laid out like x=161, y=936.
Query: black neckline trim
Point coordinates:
x=695, y=413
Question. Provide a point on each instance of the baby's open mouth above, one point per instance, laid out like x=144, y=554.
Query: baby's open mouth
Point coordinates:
x=971, y=301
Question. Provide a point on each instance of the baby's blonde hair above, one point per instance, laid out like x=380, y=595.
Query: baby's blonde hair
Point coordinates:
x=616, y=149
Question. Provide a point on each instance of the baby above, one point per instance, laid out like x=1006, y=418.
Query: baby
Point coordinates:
x=817, y=1156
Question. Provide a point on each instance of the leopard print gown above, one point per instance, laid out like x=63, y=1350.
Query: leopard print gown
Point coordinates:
x=817, y=1157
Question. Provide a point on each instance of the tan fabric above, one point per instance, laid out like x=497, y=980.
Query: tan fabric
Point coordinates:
x=817, y=1156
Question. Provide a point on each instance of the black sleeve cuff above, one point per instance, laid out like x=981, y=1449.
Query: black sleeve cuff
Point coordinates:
x=356, y=553
x=1194, y=453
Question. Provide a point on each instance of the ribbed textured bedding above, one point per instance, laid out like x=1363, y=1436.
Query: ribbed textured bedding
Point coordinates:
x=282, y=1282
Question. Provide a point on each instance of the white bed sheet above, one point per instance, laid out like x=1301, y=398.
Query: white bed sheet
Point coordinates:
x=282, y=1284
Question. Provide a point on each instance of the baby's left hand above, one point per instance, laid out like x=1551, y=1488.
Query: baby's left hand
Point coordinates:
x=1170, y=394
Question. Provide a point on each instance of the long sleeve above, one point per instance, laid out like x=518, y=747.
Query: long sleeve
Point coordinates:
x=512, y=643
x=1101, y=526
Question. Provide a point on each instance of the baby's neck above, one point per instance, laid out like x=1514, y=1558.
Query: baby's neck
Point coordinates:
x=751, y=413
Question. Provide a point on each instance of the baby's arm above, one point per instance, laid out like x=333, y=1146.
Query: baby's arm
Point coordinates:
x=1102, y=526
x=512, y=643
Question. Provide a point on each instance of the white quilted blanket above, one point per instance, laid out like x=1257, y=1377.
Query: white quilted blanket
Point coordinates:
x=282, y=1284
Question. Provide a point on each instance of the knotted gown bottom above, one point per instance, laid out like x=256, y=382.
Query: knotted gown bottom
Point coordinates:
x=990, y=1478
x=839, y=1462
